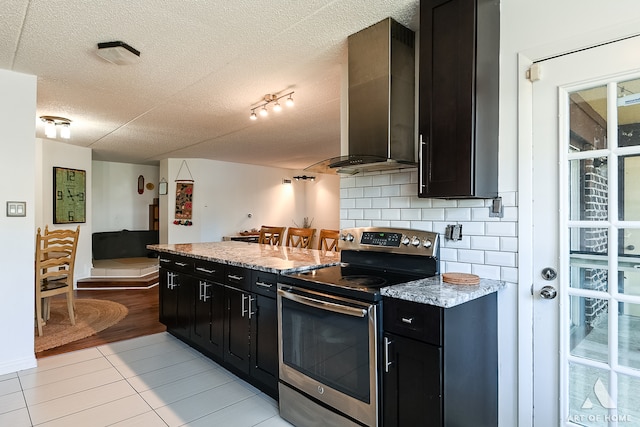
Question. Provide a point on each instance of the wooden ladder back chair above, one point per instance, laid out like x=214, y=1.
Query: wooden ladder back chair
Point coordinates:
x=328, y=240
x=300, y=237
x=271, y=235
x=55, y=260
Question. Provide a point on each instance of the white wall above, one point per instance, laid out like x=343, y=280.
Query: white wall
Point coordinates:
x=54, y=153
x=226, y=193
x=116, y=202
x=18, y=177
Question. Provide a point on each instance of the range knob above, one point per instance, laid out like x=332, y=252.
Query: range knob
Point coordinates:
x=427, y=243
x=349, y=237
x=406, y=240
x=415, y=241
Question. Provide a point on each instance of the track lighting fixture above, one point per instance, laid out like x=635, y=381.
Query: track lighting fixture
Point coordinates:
x=268, y=99
x=304, y=178
x=50, y=123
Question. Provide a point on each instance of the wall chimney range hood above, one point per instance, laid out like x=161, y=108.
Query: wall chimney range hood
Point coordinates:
x=381, y=101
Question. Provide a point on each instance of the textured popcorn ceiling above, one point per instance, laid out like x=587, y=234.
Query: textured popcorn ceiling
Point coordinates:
x=203, y=65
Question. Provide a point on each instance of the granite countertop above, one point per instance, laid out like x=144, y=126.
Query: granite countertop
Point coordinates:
x=434, y=291
x=273, y=259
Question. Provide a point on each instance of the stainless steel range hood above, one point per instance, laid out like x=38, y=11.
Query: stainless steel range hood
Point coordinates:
x=381, y=101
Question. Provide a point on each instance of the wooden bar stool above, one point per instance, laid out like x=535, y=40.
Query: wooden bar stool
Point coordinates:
x=328, y=240
x=271, y=235
x=300, y=237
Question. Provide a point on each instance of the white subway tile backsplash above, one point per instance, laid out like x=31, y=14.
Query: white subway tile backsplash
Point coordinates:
x=391, y=214
x=503, y=259
x=433, y=214
x=363, y=203
x=485, y=242
x=410, y=214
x=372, y=192
x=486, y=271
x=380, y=180
x=448, y=254
x=390, y=190
x=380, y=202
x=471, y=256
x=400, y=202
x=356, y=193
x=457, y=214
x=509, y=244
x=489, y=245
x=443, y=203
x=501, y=229
x=364, y=181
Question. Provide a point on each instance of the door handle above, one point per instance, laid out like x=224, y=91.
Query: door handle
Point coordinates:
x=548, y=292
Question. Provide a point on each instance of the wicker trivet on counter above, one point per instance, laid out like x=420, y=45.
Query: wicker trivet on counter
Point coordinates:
x=461, y=278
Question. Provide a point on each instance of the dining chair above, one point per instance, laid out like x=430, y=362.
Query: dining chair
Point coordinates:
x=300, y=237
x=55, y=259
x=270, y=235
x=328, y=240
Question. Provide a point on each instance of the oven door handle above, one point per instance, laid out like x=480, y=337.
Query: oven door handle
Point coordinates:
x=323, y=305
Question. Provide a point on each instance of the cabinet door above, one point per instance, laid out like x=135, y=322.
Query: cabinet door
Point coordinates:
x=236, y=329
x=168, y=312
x=182, y=290
x=447, y=58
x=412, y=383
x=264, y=341
x=208, y=314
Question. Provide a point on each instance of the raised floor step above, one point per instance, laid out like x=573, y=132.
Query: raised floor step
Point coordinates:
x=142, y=282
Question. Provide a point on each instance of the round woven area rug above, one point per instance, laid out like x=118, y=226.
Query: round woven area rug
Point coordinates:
x=92, y=316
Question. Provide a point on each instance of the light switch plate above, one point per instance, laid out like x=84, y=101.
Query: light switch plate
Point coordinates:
x=16, y=208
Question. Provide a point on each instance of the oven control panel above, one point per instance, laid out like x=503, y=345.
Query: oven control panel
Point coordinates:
x=394, y=240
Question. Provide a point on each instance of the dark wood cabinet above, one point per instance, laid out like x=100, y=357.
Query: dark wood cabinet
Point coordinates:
x=458, y=91
x=440, y=364
x=228, y=313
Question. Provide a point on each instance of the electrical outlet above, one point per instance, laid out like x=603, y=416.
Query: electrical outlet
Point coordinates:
x=16, y=208
x=497, y=209
x=453, y=232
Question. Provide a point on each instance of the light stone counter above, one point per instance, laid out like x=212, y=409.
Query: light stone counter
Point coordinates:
x=273, y=259
x=434, y=291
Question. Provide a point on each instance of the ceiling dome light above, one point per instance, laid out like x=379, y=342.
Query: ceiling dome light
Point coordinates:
x=49, y=128
x=264, y=112
x=65, y=130
x=289, y=101
x=277, y=107
x=253, y=115
x=50, y=123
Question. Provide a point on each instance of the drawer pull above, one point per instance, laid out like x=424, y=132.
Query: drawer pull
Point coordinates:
x=233, y=277
x=181, y=264
x=164, y=260
x=407, y=320
x=204, y=270
x=264, y=285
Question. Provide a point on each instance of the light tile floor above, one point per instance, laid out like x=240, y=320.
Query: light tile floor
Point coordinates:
x=155, y=380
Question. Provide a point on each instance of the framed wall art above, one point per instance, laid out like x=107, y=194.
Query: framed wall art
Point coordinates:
x=69, y=195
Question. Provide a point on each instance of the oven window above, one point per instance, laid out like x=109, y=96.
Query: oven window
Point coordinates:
x=331, y=348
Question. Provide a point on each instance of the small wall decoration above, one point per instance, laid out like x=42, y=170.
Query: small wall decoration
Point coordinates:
x=162, y=187
x=69, y=195
x=184, y=200
x=140, y=184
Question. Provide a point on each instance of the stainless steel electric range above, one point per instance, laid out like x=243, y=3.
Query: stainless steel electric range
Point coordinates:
x=329, y=322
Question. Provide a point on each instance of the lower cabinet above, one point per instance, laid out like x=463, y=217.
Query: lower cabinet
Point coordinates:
x=440, y=365
x=228, y=313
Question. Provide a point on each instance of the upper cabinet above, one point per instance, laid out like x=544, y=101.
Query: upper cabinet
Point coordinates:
x=459, y=84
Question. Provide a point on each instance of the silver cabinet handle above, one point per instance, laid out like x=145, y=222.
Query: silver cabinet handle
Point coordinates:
x=171, y=280
x=323, y=305
x=204, y=270
x=408, y=320
x=251, y=300
x=264, y=285
x=243, y=310
x=203, y=291
x=181, y=264
x=420, y=165
x=164, y=260
x=234, y=277
x=387, y=363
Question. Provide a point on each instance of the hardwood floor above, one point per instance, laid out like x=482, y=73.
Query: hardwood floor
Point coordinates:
x=142, y=319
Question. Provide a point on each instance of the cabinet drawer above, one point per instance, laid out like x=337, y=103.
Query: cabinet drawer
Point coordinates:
x=238, y=277
x=264, y=283
x=413, y=320
x=176, y=263
x=208, y=270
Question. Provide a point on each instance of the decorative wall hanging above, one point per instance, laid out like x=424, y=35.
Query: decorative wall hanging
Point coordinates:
x=140, y=184
x=162, y=187
x=184, y=198
x=69, y=195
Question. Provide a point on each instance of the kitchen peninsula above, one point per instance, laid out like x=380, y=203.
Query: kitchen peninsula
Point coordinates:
x=220, y=298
